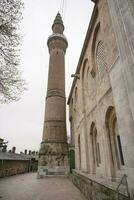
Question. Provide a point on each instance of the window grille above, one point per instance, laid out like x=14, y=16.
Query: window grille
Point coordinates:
x=132, y=3
x=100, y=59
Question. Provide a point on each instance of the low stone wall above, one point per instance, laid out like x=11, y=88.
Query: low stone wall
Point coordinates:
x=9, y=168
x=93, y=190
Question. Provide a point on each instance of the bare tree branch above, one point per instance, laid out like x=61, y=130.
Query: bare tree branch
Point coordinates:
x=11, y=82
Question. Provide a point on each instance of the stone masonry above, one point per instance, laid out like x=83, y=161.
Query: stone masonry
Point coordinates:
x=101, y=101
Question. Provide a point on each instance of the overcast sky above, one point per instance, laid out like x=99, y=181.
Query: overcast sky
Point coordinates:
x=21, y=123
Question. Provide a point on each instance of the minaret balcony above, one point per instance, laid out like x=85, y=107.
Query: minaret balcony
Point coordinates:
x=57, y=40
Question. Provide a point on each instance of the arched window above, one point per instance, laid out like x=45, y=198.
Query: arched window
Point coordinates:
x=114, y=141
x=95, y=148
x=101, y=59
x=75, y=99
x=84, y=76
x=94, y=41
x=79, y=147
x=72, y=105
x=119, y=146
x=84, y=83
x=90, y=84
x=71, y=123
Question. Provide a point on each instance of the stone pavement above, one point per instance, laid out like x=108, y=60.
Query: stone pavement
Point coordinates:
x=27, y=187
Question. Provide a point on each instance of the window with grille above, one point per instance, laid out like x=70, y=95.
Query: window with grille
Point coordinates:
x=132, y=3
x=100, y=59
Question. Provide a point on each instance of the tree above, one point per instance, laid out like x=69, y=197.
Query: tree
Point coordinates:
x=11, y=82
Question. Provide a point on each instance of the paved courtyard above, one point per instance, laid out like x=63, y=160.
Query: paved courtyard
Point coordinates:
x=27, y=187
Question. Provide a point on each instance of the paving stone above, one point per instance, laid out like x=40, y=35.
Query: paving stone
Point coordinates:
x=28, y=187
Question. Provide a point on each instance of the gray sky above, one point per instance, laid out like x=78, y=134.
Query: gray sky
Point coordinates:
x=22, y=121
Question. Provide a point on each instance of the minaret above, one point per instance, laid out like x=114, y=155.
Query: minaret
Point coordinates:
x=53, y=156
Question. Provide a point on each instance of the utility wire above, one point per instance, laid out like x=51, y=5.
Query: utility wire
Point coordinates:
x=63, y=7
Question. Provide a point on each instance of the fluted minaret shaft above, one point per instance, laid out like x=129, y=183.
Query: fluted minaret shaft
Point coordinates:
x=55, y=112
x=54, y=150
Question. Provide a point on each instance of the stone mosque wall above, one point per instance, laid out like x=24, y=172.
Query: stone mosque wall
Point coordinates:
x=100, y=101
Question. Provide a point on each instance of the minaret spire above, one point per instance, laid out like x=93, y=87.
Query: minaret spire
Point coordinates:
x=58, y=26
x=53, y=156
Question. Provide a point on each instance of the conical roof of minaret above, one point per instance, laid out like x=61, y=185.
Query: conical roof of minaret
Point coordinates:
x=58, y=20
x=58, y=29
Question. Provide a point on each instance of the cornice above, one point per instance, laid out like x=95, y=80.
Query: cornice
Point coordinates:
x=89, y=31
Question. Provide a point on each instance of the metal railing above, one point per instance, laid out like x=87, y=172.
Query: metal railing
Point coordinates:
x=123, y=183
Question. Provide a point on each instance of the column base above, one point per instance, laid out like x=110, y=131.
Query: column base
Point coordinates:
x=53, y=159
x=45, y=171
